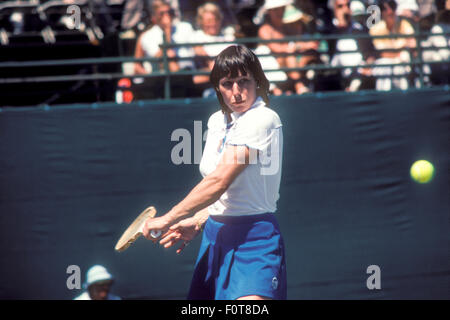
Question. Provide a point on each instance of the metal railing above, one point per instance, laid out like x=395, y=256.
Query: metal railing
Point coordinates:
x=167, y=74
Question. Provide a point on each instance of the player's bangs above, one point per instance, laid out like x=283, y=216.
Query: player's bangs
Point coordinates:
x=229, y=66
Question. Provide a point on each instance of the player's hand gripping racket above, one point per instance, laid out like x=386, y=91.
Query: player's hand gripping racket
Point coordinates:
x=135, y=230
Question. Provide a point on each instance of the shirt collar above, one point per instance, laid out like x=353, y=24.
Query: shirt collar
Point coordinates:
x=236, y=115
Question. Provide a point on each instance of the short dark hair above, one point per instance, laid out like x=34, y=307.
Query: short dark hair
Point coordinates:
x=230, y=62
x=390, y=3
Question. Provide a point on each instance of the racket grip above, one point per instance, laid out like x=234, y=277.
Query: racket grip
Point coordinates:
x=155, y=234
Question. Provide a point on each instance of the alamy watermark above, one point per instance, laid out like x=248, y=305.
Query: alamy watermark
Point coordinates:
x=374, y=280
x=73, y=20
x=375, y=15
x=189, y=148
x=74, y=279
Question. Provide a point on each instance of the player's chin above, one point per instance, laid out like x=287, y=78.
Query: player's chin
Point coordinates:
x=240, y=107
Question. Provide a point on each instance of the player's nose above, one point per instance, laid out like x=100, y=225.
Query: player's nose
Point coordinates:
x=236, y=89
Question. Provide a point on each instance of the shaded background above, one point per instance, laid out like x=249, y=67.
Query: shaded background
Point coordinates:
x=73, y=177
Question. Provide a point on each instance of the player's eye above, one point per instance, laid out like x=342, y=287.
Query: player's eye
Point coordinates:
x=243, y=82
x=227, y=84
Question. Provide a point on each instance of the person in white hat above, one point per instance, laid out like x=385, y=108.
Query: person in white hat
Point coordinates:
x=296, y=24
x=98, y=285
x=408, y=9
x=387, y=77
x=274, y=28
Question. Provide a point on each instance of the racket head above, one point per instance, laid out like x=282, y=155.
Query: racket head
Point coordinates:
x=134, y=231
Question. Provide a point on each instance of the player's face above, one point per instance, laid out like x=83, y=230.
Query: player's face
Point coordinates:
x=238, y=93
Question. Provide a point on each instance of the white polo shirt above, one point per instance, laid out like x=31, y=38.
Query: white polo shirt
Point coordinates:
x=256, y=189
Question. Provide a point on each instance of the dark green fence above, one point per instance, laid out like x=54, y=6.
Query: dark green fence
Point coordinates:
x=73, y=177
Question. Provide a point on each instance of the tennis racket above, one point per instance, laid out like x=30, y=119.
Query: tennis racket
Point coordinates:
x=135, y=230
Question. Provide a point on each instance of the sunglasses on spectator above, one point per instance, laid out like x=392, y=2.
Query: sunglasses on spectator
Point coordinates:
x=170, y=12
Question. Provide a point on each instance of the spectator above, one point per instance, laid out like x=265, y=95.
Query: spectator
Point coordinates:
x=362, y=48
x=135, y=13
x=149, y=42
x=274, y=28
x=306, y=52
x=359, y=14
x=98, y=285
x=398, y=50
x=409, y=10
x=427, y=13
x=148, y=45
x=189, y=9
x=209, y=20
x=437, y=47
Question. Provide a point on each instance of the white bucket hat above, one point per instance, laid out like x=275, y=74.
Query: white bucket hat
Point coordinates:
x=271, y=4
x=293, y=14
x=407, y=5
x=95, y=274
x=357, y=8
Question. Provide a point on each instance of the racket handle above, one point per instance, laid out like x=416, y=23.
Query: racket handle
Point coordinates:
x=155, y=234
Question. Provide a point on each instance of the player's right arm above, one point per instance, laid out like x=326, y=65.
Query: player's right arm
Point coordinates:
x=234, y=160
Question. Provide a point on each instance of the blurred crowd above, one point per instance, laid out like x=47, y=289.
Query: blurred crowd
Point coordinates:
x=309, y=38
x=302, y=24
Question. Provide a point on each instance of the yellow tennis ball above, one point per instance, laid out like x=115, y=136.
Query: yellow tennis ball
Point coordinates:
x=422, y=171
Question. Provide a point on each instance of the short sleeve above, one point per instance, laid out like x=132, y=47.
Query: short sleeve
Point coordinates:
x=256, y=129
x=406, y=27
x=151, y=40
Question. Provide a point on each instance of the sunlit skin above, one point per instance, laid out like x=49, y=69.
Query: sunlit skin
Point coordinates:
x=211, y=24
x=342, y=12
x=238, y=93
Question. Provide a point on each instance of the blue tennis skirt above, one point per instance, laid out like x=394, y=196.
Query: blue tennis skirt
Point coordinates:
x=240, y=256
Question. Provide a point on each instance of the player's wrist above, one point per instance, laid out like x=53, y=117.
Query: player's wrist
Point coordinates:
x=201, y=218
x=199, y=225
x=176, y=214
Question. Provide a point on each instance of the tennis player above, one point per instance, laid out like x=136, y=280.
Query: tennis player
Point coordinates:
x=242, y=252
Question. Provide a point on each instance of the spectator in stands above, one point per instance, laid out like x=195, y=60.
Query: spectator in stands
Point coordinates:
x=363, y=51
x=98, y=285
x=209, y=21
x=409, y=10
x=306, y=52
x=274, y=28
x=427, y=13
x=149, y=42
x=190, y=7
x=135, y=13
x=389, y=77
x=437, y=47
x=165, y=28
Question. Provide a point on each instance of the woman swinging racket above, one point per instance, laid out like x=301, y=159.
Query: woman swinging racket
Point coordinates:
x=242, y=252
